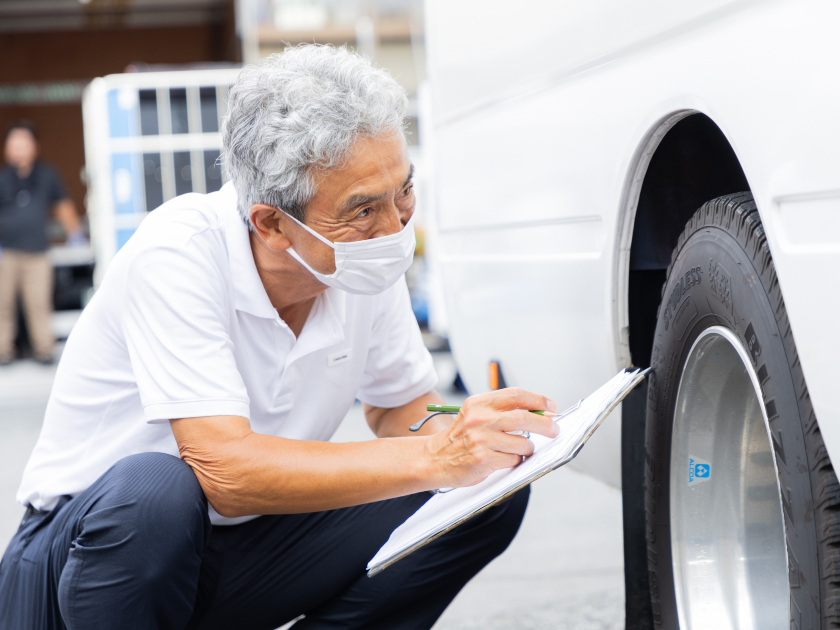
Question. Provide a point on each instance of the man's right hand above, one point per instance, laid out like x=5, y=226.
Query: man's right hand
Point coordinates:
x=479, y=442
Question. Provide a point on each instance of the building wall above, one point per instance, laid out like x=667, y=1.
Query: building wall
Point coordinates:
x=83, y=55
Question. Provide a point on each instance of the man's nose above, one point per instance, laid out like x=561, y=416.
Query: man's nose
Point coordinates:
x=405, y=215
x=393, y=221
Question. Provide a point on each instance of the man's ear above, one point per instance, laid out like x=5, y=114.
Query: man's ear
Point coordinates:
x=270, y=223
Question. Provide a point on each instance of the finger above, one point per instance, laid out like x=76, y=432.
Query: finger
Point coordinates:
x=500, y=442
x=516, y=398
x=521, y=420
x=498, y=461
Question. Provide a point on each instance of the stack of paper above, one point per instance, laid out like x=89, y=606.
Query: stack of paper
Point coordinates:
x=445, y=511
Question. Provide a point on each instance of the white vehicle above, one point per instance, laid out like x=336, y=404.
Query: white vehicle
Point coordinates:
x=658, y=183
x=149, y=136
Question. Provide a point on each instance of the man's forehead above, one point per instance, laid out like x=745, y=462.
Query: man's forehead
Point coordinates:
x=21, y=133
x=377, y=168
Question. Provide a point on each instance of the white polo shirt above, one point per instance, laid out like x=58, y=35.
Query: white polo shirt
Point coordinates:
x=182, y=327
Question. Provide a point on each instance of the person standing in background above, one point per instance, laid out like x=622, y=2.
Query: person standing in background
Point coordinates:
x=30, y=192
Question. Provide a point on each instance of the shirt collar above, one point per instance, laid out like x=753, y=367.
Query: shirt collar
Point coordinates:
x=249, y=292
x=324, y=327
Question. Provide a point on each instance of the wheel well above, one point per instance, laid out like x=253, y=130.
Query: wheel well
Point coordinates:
x=693, y=163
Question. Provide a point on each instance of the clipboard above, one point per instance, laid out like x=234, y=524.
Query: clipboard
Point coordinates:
x=597, y=411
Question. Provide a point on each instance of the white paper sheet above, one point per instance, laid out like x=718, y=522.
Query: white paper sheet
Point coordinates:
x=444, y=511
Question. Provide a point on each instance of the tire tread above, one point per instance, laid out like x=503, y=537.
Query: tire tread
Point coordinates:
x=738, y=214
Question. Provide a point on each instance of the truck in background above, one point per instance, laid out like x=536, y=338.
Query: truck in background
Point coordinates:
x=149, y=136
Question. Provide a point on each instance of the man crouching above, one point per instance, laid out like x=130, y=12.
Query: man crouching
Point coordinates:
x=183, y=477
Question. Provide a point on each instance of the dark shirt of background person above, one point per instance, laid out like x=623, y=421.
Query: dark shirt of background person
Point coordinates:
x=30, y=190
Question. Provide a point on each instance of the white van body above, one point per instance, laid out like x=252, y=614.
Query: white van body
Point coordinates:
x=545, y=117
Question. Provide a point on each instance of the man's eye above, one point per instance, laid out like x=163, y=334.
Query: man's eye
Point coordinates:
x=407, y=191
x=364, y=213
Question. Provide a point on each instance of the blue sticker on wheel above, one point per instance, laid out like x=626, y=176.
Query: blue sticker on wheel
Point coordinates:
x=699, y=470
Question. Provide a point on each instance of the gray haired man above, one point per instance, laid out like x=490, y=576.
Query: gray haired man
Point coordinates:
x=183, y=477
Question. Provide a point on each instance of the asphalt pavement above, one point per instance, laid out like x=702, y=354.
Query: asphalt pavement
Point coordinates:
x=563, y=571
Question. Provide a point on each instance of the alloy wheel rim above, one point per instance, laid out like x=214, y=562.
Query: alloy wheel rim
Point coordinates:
x=727, y=526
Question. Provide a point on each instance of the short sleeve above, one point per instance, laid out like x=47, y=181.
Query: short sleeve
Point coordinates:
x=176, y=323
x=54, y=185
x=399, y=368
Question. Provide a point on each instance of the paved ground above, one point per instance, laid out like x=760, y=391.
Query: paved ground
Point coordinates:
x=24, y=389
x=563, y=570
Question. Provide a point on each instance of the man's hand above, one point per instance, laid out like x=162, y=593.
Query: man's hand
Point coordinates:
x=478, y=442
x=65, y=212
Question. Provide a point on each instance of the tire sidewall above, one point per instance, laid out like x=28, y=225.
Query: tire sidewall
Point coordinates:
x=712, y=282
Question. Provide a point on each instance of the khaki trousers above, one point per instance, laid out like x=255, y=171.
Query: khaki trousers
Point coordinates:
x=30, y=275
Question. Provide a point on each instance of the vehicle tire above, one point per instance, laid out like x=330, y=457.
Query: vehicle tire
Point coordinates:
x=736, y=537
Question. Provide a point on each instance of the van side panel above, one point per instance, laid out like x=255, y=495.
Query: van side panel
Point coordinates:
x=534, y=160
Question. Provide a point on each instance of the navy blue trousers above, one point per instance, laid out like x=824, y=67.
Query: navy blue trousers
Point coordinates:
x=136, y=550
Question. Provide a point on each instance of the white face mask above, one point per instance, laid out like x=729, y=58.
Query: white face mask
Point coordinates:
x=366, y=267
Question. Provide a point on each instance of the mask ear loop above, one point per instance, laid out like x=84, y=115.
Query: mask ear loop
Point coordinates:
x=330, y=244
x=419, y=425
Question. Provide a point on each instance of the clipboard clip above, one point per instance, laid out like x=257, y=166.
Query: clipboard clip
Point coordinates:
x=571, y=409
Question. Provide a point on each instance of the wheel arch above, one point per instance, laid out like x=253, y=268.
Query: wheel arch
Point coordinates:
x=684, y=161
